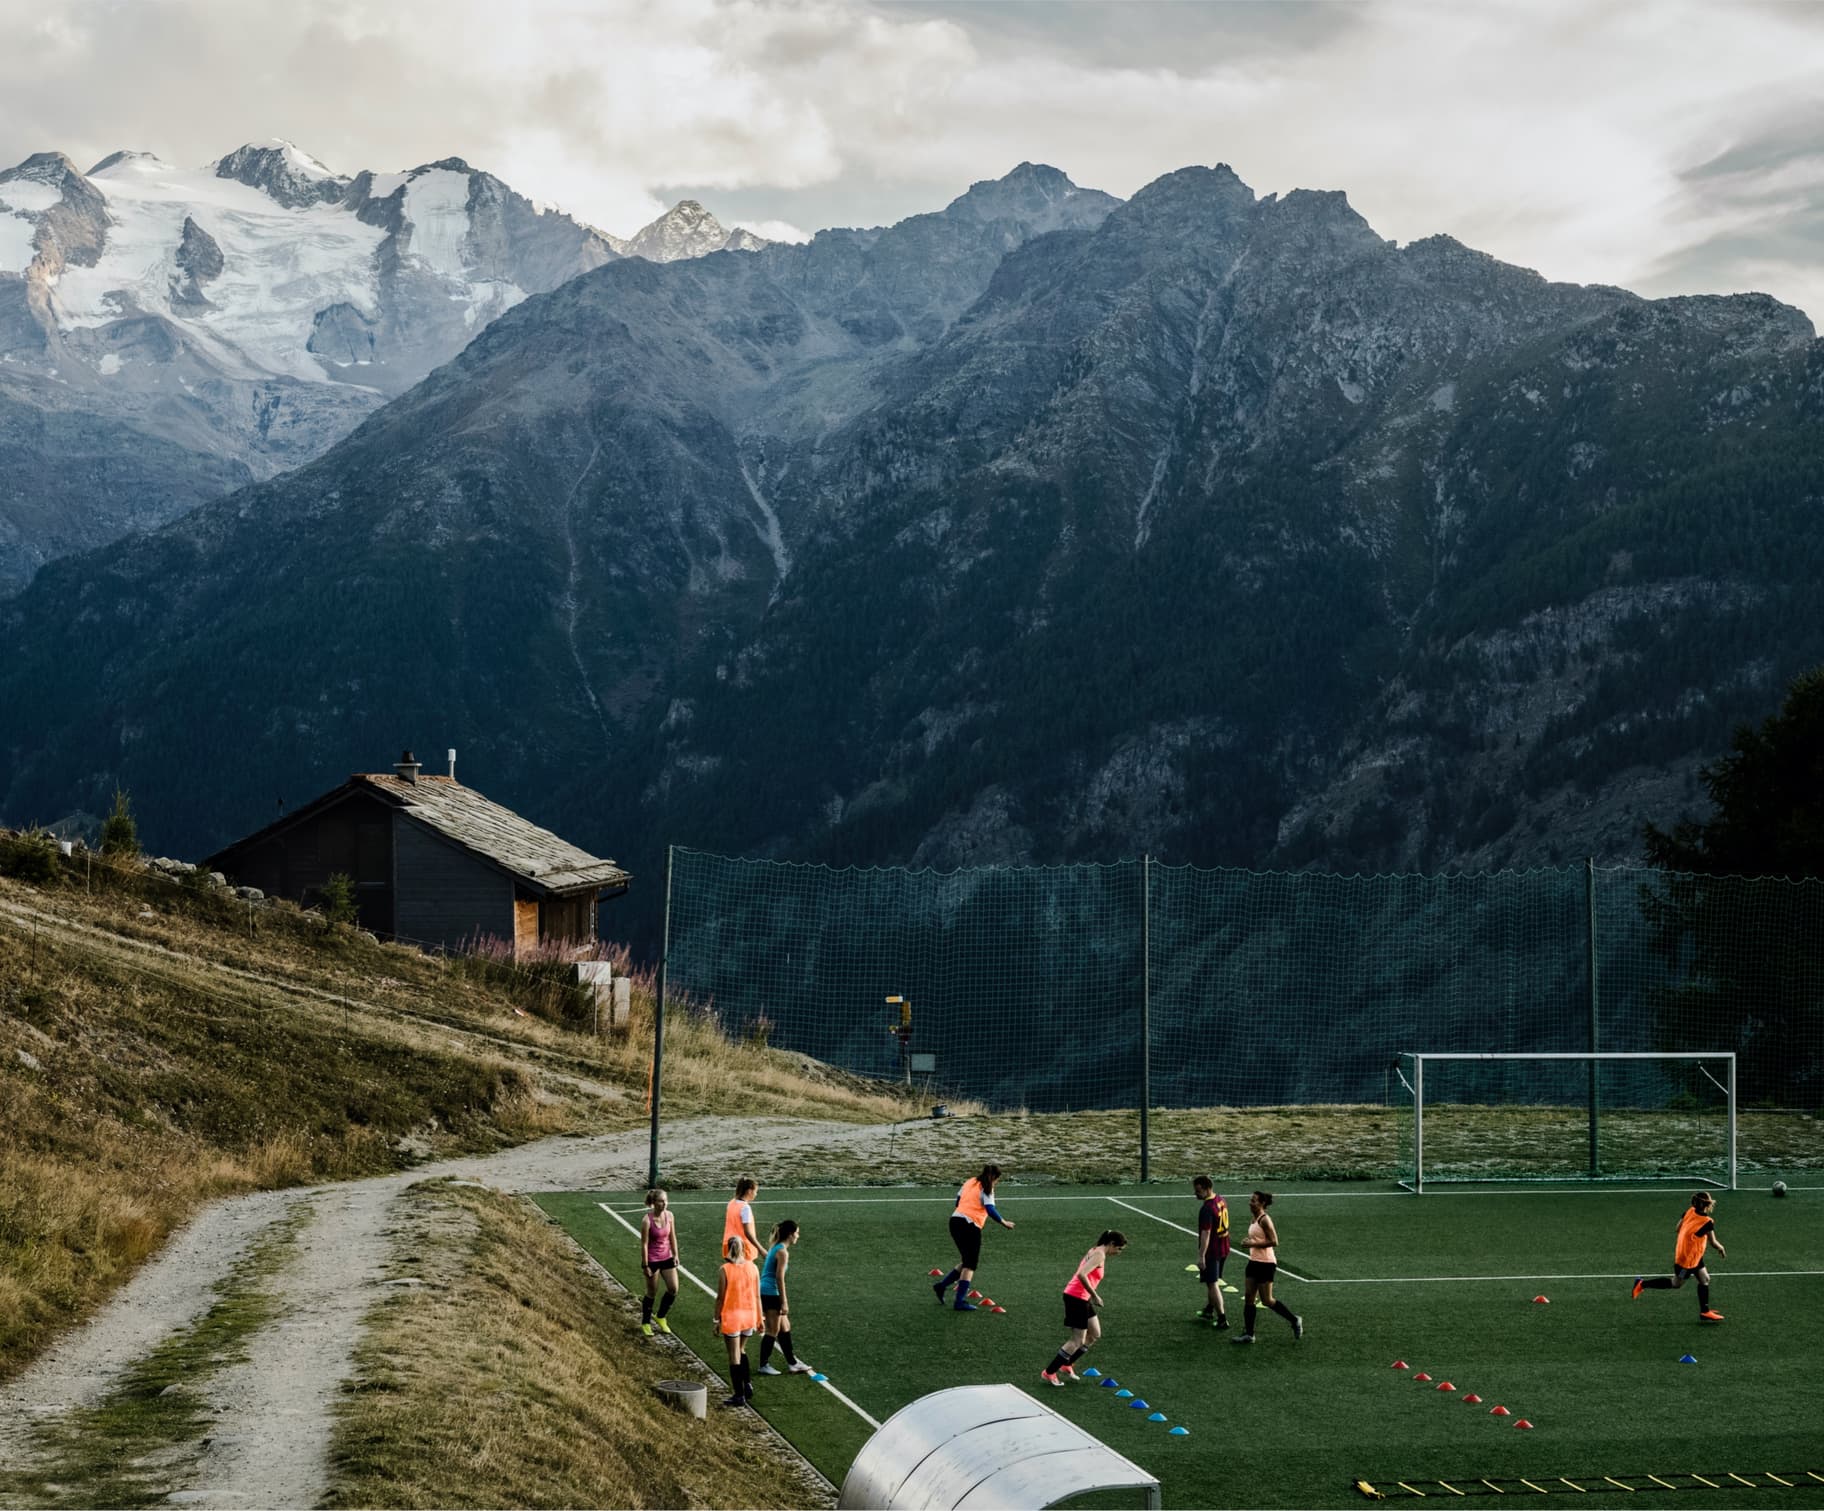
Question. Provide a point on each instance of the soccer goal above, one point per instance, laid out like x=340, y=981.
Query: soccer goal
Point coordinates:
x=1564, y=1117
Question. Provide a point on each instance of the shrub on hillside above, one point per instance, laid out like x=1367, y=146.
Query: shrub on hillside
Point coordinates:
x=31, y=856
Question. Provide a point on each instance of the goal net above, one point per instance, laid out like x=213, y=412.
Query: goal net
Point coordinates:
x=1566, y=1117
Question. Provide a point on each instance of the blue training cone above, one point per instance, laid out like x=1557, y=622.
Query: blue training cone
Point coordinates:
x=1137, y=1404
x=1122, y=1395
x=1092, y=1373
x=1157, y=1416
x=1687, y=1359
x=1179, y=1432
x=819, y=1378
x=1109, y=1382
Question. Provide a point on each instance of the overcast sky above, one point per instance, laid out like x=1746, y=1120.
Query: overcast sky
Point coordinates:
x=1665, y=146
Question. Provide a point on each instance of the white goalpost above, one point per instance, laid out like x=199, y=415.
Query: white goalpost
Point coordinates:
x=1567, y=1117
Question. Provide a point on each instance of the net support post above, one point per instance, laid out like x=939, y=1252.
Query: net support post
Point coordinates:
x=1589, y=892
x=658, y=1028
x=1146, y=1015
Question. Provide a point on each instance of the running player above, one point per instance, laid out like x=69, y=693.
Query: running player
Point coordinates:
x=1696, y=1233
x=974, y=1206
x=1263, y=1265
x=738, y=1218
x=1212, y=1248
x=737, y=1317
x=658, y=1256
x=1082, y=1300
x=773, y=1303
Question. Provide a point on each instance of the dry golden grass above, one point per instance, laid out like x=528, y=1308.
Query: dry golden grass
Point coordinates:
x=511, y=1376
x=154, y=1056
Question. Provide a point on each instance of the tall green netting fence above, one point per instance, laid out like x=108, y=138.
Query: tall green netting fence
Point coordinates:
x=1138, y=985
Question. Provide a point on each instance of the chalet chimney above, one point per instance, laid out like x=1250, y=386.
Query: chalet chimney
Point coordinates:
x=407, y=768
x=452, y=763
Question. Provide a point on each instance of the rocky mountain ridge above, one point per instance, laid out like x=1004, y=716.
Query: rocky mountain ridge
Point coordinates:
x=1041, y=527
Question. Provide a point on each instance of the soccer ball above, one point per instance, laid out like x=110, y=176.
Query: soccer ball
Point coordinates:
x=1779, y=1188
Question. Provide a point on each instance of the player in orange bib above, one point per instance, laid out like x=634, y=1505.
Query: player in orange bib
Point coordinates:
x=737, y=1317
x=1696, y=1233
x=738, y=1218
x=974, y=1206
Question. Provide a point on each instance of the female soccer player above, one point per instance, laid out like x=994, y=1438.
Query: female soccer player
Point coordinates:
x=774, y=1305
x=658, y=1256
x=737, y=1317
x=1082, y=1300
x=974, y=1206
x=1696, y=1233
x=1263, y=1265
x=738, y=1217
x=1212, y=1248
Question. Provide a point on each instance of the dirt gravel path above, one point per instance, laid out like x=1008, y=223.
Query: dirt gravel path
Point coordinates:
x=272, y=1411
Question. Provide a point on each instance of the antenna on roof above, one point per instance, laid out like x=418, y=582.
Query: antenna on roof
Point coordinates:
x=452, y=763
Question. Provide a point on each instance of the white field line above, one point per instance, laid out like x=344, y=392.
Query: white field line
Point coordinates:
x=1554, y=1192
x=1193, y=1232
x=1718, y=1277
x=710, y=1292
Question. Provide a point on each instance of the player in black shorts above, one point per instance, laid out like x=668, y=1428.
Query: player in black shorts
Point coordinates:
x=1212, y=1248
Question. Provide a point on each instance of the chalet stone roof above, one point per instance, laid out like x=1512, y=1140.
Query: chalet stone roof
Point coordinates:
x=495, y=833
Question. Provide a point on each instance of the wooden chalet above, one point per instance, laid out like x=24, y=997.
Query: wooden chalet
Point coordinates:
x=433, y=863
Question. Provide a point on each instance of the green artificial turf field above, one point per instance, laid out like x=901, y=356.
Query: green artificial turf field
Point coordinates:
x=1445, y=1282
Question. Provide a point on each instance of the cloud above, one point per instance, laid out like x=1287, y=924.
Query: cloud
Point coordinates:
x=1652, y=146
x=774, y=230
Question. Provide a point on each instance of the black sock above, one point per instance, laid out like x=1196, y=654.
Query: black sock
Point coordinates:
x=1703, y=1297
x=645, y=1310
x=1658, y=1283
x=785, y=1346
x=949, y=1280
x=747, y=1377
x=665, y=1302
x=1247, y=1317
x=1283, y=1310
x=1058, y=1361
x=766, y=1351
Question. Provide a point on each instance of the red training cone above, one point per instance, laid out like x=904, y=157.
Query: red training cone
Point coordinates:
x=975, y=1295
x=1542, y=1301
x=1401, y=1364
x=1473, y=1399
x=1499, y=1411
x=1421, y=1375
x=1524, y=1423
x=1447, y=1386
x=1000, y=1311
x=934, y=1272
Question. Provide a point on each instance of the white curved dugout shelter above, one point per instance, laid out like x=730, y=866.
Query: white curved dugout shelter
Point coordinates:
x=983, y=1448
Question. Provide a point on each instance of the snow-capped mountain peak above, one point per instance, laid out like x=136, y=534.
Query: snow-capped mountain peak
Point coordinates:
x=289, y=175
x=688, y=230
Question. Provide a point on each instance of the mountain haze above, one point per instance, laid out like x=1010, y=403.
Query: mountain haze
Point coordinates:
x=1044, y=526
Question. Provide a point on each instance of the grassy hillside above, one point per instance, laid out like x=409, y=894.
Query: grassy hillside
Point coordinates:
x=162, y=1044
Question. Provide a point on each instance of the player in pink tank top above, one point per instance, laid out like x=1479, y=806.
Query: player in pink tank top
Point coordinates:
x=658, y=1257
x=1082, y=1299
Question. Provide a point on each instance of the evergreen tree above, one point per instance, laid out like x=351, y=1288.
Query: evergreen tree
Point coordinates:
x=119, y=834
x=339, y=899
x=1742, y=955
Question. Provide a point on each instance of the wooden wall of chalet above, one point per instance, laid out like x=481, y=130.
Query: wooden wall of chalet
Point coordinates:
x=445, y=895
x=568, y=917
x=354, y=837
